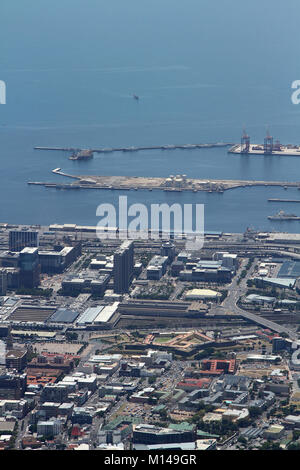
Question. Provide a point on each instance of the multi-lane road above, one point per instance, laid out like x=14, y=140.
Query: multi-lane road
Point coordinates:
x=230, y=305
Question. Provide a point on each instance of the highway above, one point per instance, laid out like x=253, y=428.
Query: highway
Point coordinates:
x=230, y=305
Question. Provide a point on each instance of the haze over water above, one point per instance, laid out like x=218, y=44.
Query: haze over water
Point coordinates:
x=203, y=70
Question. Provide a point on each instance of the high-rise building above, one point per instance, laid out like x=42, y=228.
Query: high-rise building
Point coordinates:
x=19, y=239
x=29, y=268
x=123, y=267
x=168, y=249
x=12, y=385
x=3, y=281
x=16, y=359
x=281, y=344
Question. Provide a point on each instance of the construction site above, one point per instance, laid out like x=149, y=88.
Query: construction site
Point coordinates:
x=173, y=183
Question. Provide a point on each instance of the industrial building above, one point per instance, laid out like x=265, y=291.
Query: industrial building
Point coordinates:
x=281, y=282
x=202, y=294
x=63, y=315
x=153, y=436
x=260, y=299
x=106, y=315
x=274, y=432
x=100, y=316
x=289, y=270
x=89, y=315
x=162, y=308
x=32, y=313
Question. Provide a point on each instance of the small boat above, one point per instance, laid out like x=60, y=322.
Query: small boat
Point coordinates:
x=136, y=97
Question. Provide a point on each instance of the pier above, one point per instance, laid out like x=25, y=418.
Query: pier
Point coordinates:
x=77, y=151
x=283, y=200
x=170, y=184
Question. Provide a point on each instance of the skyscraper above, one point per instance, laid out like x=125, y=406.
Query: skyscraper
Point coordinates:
x=30, y=268
x=19, y=239
x=123, y=267
x=3, y=281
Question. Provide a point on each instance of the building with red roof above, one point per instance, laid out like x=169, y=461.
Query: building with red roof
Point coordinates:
x=218, y=366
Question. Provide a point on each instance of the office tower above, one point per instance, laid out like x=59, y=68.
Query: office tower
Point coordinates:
x=19, y=239
x=123, y=267
x=3, y=281
x=168, y=249
x=29, y=268
x=16, y=359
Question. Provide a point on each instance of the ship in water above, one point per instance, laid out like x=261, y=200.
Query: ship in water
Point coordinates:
x=85, y=154
x=136, y=97
x=281, y=215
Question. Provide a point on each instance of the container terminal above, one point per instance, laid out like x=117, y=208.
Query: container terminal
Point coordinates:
x=269, y=147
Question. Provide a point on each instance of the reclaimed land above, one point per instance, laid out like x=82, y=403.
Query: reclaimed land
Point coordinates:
x=155, y=183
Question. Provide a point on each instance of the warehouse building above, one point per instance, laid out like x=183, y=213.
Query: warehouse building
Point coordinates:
x=89, y=315
x=64, y=315
x=147, y=436
x=202, y=294
x=289, y=269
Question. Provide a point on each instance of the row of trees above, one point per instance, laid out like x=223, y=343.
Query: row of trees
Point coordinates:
x=37, y=291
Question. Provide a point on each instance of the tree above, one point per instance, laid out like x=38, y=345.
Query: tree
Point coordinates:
x=294, y=446
x=152, y=380
x=268, y=445
x=296, y=435
x=71, y=336
x=163, y=414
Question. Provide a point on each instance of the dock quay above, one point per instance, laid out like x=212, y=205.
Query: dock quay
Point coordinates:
x=284, y=151
x=269, y=148
x=176, y=183
x=77, y=151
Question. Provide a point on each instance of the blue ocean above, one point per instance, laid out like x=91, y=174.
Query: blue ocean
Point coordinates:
x=203, y=70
